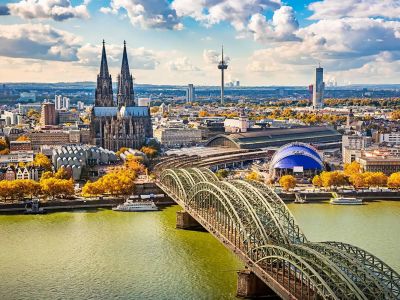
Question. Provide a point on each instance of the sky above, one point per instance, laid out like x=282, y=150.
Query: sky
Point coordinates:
x=267, y=42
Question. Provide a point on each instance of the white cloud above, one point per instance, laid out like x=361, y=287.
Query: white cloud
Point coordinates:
x=37, y=41
x=147, y=14
x=282, y=27
x=340, y=44
x=139, y=58
x=182, y=64
x=333, y=9
x=210, y=57
x=58, y=10
x=236, y=12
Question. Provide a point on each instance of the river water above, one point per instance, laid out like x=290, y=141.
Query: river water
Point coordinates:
x=102, y=254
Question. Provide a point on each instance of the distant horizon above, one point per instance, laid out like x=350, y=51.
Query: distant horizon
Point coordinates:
x=207, y=86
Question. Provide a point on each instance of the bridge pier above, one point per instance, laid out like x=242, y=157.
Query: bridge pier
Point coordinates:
x=185, y=221
x=250, y=286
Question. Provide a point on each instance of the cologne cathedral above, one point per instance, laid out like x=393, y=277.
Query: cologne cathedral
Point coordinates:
x=116, y=124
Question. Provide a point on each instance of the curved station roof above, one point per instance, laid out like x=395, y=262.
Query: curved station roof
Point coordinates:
x=277, y=137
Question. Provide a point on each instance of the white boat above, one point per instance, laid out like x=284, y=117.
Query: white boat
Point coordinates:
x=131, y=205
x=345, y=201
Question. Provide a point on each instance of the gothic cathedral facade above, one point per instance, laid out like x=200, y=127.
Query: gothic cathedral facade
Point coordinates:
x=120, y=123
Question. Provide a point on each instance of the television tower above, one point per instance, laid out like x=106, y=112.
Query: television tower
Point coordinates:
x=222, y=66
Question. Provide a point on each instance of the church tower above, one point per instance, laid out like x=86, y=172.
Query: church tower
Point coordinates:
x=104, y=93
x=125, y=94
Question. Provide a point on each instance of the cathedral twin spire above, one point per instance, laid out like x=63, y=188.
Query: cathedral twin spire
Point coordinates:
x=104, y=93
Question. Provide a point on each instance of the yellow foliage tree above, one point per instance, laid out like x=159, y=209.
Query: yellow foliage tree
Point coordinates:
x=134, y=163
x=253, y=176
x=53, y=187
x=375, y=179
x=149, y=151
x=394, y=180
x=333, y=179
x=357, y=180
x=352, y=168
x=317, y=181
x=62, y=174
x=23, y=138
x=203, y=114
x=42, y=161
x=288, y=182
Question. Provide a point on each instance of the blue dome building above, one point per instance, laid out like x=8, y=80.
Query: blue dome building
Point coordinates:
x=296, y=159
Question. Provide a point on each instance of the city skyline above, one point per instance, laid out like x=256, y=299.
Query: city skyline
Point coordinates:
x=178, y=42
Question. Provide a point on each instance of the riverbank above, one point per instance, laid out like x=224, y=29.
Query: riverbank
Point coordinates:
x=323, y=196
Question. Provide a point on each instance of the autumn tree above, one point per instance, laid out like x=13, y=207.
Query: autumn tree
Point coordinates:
x=134, y=163
x=316, y=181
x=253, y=176
x=121, y=150
x=357, y=180
x=149, y=151
x=288, y=182
x=42, y=161
x=333, y=179
x=375, y=179
x=23, y=138
x=352, y=168
x=53, y=187
x=4, y=149
x=394, y=180
x=203, y=114
x=222, y=173
x=62, y=174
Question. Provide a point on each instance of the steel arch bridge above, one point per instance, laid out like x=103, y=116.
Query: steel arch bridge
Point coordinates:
x=249, y=218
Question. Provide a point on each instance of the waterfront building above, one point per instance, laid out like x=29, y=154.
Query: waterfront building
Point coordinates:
x=318, y=88
x=176, y=137
x=351, y=144
x=379, y=163
x=123, y=124
x=190, y=93
x=48, y=115
x=83, y=159
x=297, y=159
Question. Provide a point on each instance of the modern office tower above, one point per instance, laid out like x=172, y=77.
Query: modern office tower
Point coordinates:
x=190, y=97
x=48, y=114
x=222, y=66
x=58, y=102
x=318, y=88
x=66, y=103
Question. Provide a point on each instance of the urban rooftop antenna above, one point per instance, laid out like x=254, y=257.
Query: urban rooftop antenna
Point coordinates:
x=222, y=66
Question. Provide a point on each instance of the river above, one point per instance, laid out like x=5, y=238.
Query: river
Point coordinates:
x=102, y=254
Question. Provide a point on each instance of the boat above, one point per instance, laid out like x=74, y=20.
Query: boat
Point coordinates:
x=345, y=201
x=131, y=205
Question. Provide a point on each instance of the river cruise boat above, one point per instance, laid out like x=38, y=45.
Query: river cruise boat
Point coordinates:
x=345, y=201
x=131, y=205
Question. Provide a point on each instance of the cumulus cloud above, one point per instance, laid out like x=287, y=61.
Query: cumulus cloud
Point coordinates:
x=236, y=12
x=182, y=64
x=282, y=27
x=139, y=58
x=333, y=9
x=147, y=14
x=58, y=10
x=340, y=44
x=37, y=41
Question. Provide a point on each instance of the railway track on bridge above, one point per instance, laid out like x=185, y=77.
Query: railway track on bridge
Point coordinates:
x=254, y=223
